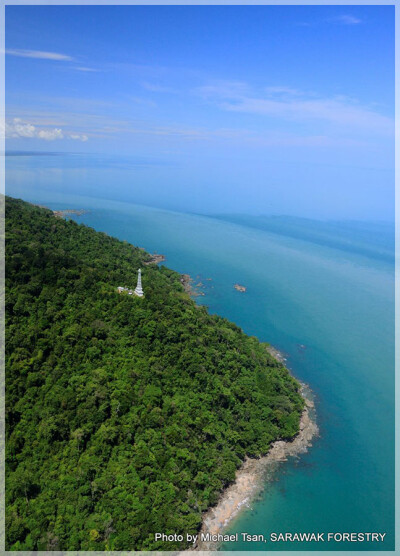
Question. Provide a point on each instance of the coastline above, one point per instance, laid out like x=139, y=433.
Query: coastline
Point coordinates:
x=252, y=475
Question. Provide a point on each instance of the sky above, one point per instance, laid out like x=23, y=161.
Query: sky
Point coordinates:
x=255, y=109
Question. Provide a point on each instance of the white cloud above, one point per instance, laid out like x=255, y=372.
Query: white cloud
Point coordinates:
x=50, y=134
x=78, y=137
x=39, y=54
x=20, y=129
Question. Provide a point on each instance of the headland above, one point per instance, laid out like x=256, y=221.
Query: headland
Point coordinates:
x=255, y=472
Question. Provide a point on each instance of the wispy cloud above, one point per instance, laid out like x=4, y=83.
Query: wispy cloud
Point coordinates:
x=281, y=103
x=105, y=127
x=191, y=133
x=155, y=88
x=82, y=68
x=266, y=138
x=342, y=19
x=56, y=56
x=283, y=91
x=224, y=89
x=18, y=128
x=345, y=19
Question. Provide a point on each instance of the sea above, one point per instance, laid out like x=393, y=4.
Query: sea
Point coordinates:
x=322, y=293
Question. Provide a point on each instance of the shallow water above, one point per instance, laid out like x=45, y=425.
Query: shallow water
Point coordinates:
x=330, y=310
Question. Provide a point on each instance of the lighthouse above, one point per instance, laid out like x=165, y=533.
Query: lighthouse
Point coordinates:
x=138, y=290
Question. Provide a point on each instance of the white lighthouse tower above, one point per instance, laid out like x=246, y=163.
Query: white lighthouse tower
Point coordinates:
x=138, y=290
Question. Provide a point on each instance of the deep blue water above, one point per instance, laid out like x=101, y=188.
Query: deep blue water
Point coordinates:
x=328, y=287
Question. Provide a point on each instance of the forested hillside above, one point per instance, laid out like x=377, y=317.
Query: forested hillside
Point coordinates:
x=125, y=416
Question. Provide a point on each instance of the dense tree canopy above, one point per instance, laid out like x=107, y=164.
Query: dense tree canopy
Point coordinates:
x=125, y=416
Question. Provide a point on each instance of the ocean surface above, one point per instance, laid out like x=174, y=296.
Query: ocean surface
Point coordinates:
x=323, y=294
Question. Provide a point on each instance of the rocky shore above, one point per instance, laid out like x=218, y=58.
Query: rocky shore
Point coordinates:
x=156, y=258
x=275, y=353
x=187, y=283
x=254, y=473
x=62, y=213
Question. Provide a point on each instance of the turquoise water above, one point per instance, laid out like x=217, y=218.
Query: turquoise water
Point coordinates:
x=337, y=302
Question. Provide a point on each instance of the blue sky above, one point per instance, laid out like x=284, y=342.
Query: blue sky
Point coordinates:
x=269, y=109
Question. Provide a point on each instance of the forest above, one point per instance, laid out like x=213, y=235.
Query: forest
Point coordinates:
x=125, y=416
